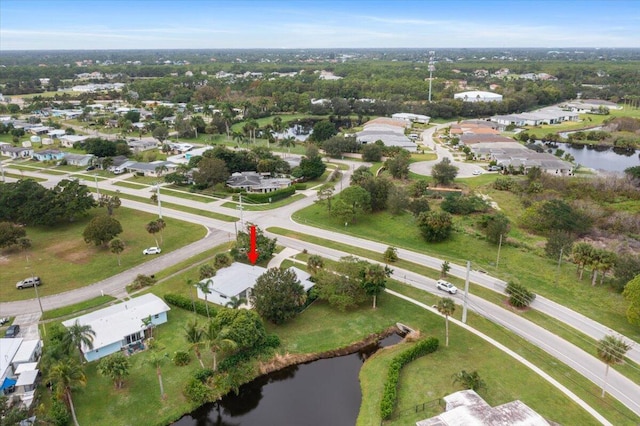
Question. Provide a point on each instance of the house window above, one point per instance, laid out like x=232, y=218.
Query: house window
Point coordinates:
x=132, y=338
x=156, y=316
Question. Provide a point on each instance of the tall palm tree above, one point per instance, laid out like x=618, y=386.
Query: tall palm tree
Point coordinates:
x=116, y=246
x=147, y=324
x=238, y=137
x=78, y=335
x=277, y=125
x=218, y=342
x=156, y=360
x=67, y=375
x=190, y=284
x=611, y=350
x=446, y=307
x=288, y=142
x=194, y=335
x=204, y=288
x=153, y=228
x=235, y=302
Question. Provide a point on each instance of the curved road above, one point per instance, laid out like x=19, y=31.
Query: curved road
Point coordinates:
x=619, y=386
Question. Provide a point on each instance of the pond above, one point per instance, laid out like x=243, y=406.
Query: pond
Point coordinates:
x=600, y=157
x=319, y=393
x=300, y=132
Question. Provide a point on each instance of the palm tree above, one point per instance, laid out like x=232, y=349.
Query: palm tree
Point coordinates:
x=190, y=284
x=67, y=375
x=288, y=142
x=156, y=360
x=218, y=342
x=611, y=350
x=107, y=162
x=116, y=246
x=153, y=228
x=79, y=335
x=204, y=288
x=238, y=137
x=235, y=302
x=194, y=335
x=446, y=307
x=161, y=226
x=147, y=324
x=277, y=125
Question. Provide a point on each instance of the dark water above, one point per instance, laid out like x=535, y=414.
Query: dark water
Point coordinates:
x=320, y=393
x=602, y=157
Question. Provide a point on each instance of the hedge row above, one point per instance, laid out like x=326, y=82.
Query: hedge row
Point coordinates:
x=274, y=196
x=389, y=395
x=184, y=302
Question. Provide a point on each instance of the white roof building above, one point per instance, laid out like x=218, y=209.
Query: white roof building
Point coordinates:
x=120, y=325
x=239, y=279
x=478, y=96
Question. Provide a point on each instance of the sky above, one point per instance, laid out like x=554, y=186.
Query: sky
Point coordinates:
x=216, y=24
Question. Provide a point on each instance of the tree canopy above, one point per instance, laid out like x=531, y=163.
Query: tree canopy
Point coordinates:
x=444, y=172
x=101, y=230
x=278, y=295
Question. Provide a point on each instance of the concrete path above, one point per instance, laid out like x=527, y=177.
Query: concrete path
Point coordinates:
x=280, y=257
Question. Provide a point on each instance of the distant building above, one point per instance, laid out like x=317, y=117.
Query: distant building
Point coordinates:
x=256, y=182
x=411, y=118
x=468, y=408
x=390, y=131
x=478, y=96
x=514, y=155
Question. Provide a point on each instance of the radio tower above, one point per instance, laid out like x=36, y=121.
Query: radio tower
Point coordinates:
x=432, y=68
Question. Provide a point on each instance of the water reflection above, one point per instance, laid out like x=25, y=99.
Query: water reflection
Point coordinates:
x=323, y=392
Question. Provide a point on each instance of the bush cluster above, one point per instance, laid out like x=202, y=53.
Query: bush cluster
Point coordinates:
x=274, y=196
x=181, y=358
x=423, y=347
x=519, y=295
x=233, y=361
x=184, y=302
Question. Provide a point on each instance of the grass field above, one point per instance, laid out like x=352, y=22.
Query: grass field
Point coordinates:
x=64, y=261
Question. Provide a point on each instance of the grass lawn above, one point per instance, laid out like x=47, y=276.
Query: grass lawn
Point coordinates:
x=77, y=308
x=516, y=263
x=19, y=176
x=64, y=261
x=262, y=207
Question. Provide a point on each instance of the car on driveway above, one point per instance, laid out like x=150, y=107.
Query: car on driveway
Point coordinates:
x=446, y=286
x=151, y=250
x=476, y=173
x=12, y=331
x=28, y=282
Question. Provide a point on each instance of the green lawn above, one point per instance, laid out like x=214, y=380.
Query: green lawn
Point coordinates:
x=64, y=261
x=516, y=263
x=77, y=308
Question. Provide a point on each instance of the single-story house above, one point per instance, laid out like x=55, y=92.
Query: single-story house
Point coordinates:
x=121, y=325
x=8, y=350
x=255, y=182
x=151, y=169
x=468, y=408
x=16, y=152
x=48, y=155
x=239, y=279
x=478, y=96
x=39, y=130
x=81, y=160
x=411, y=118
x=139, y=145
x=388, y=130
x=68, y=140
x=28, y=352
x=56, y=133
x=518, y=156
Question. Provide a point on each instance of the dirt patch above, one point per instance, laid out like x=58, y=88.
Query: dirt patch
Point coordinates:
x=281, y=361
x=76, y=252
x=4, y=259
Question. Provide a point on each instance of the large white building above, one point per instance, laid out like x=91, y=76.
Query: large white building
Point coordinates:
x=478, y=96
x=390, y=131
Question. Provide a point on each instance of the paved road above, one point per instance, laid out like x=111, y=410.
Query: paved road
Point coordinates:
x=622, y=388
x=465, y=170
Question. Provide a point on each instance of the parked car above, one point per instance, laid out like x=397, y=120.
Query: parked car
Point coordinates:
x=494, y=168
x=91, y=168
x=12, y=331
x=151, y=250
x=446, y=286
x=476, y=173
x=28, y=282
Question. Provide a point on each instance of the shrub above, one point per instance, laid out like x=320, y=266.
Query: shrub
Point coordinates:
x=463, y=204
x=197, y=392
x=184, y=302
x=519, y=295
x=423, y=347
x=391, y=255
x=59, y=414
x=181, y=358
x=273, y=196
x=203, y=374
x=505, y=183
x=142, y=281
x=222, y=260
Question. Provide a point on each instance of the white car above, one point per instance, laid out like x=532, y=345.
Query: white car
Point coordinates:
x=446, y=286
x=151, y=250
x=476, y=173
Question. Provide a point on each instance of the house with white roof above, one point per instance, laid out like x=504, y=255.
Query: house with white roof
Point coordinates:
x=19, y=368
x=8, y=350
x=478, y=96
x=121, y=325
x=391, y=131
x=238, y=281
x=468, y=408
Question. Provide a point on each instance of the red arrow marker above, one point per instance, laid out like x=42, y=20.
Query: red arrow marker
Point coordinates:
x=253, y=252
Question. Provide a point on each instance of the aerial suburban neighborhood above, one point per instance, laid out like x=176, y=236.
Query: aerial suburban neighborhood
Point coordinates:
x=198, y=227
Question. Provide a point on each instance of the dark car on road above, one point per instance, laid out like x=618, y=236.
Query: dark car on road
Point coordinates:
x=12, y=331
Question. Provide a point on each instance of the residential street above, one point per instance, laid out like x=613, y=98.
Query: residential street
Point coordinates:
x=621, y=388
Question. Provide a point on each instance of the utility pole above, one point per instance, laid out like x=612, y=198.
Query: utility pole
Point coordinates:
x=241, y=208
x=35, y=285
x=499, y=247
x=95, y=177
x=466, y=293
x=2, y=170
x=559, y=263
x=158, y=198
x=432, y=68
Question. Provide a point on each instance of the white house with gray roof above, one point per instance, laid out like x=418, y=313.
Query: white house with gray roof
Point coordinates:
x=256, y=182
